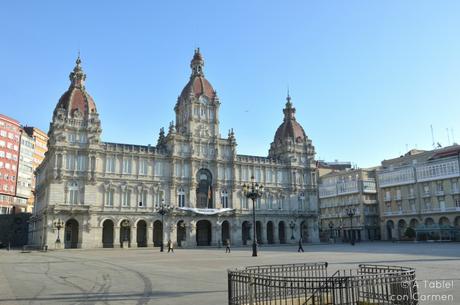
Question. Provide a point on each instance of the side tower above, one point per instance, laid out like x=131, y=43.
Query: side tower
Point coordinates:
x=292, y=147
x=66, y=178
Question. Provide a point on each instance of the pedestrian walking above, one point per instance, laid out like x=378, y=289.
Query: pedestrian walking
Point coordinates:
x=300, y=245
x=170, y=246
x=227, y=246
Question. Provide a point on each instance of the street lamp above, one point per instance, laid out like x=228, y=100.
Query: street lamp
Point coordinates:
x=58, y=224
x=253, y=191
x=331, y=226
x=351, y=212
x=292, y=226
x=162, y=209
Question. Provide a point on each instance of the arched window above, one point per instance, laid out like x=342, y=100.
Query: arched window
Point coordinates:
x=143, y=197
x=224, y=199
x=73, y=193
x=181, y=197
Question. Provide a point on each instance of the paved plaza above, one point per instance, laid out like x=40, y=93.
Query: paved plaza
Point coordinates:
x=198, y=276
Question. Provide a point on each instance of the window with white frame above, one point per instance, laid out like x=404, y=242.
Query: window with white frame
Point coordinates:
x=143, y=167
x=109, y=197
x=127, y=166
x=224, y=199
x=126, y=198
x=270, y=202
x=70, y=161
x=455, y=188
x=110, y=164
x=244, y=202
x=73, y=193
x=143, y=202
x=81, y=163
x=181, y=197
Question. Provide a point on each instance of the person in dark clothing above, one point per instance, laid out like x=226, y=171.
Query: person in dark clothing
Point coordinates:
x=300, y=246
x=227, y=246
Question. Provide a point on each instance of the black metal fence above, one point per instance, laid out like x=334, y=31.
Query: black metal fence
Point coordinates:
x=309, y=284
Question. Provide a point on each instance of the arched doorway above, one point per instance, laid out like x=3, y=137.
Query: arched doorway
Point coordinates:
x=270, y=238
x=246, y=232
x=203, y=233
x=125, y=234
x=204, y=192
x=457, y=222
x=390, y=227
x=157, y=233
x=225, y=231
x=107, y=234
x=259, y=232
x=282, y=232
x=181, y=233
x=71, y=234
x=429, y=221
x=141, y=233
x=413, y=223
x=304, y=231
x=444, y=221
x=401, y=228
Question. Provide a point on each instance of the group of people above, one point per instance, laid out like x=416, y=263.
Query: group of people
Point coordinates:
x=227, y=246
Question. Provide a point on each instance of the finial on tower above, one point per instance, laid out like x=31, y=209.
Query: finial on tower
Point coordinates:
x=288, y=99
x=77, y=76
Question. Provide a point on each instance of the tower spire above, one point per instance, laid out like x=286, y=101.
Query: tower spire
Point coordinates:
x=289, y=111
x=197, y=63
x=77, y=76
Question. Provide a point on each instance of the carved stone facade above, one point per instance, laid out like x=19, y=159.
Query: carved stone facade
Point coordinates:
x=108, y=194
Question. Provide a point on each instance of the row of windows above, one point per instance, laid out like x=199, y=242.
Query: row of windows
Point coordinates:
x=8, y=165
x=8, y=177
x=426, y=189
x=7, y=187
x=8, y=156
x=10, y=135
x=9, y=145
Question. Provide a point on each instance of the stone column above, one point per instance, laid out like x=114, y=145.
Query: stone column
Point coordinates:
x=116, y=237
x=263, y=232
x=276, y=238
x=149, y=234
x=236, y=231
x=216, y=235
x=191, y=241
x=133, y=239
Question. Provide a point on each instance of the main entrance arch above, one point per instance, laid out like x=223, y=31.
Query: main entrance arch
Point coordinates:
x=107, y=234
x=204, y=196
x=125, y=234
x=203, y=233
x=71, y=234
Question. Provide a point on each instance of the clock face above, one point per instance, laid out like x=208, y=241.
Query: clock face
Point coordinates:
x=203, y=100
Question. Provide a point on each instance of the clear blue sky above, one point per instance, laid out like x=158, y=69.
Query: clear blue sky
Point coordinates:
x=367, y=77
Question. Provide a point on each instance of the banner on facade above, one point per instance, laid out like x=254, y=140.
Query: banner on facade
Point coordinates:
x=206, y=211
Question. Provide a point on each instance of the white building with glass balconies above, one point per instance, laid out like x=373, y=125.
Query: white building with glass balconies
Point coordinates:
x=421, y=190
x=339, y=191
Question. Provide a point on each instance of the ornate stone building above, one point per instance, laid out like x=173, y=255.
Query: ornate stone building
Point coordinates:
x=107, y=194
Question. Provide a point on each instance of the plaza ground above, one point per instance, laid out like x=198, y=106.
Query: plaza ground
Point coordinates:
x=198, y=276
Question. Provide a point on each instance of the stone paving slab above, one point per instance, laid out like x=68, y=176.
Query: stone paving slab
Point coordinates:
x=198, y=276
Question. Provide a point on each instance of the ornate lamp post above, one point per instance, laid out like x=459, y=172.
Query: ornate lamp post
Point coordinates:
x=162, y=209
x=292, y=226
x=351, y=212
x=331, y=226
x=58, y=224
x=253, y=191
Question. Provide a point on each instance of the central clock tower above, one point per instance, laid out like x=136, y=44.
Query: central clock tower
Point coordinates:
x=197, y=107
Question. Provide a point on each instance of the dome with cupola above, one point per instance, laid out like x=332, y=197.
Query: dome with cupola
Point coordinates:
x=76, y=102
x=290, y=130
x=198, y=85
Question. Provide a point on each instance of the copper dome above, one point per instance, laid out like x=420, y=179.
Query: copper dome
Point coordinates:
x=76, y=101
x=198, y=84
x=290, y=128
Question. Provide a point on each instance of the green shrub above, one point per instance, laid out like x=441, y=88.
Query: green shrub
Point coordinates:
x=410, y=233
